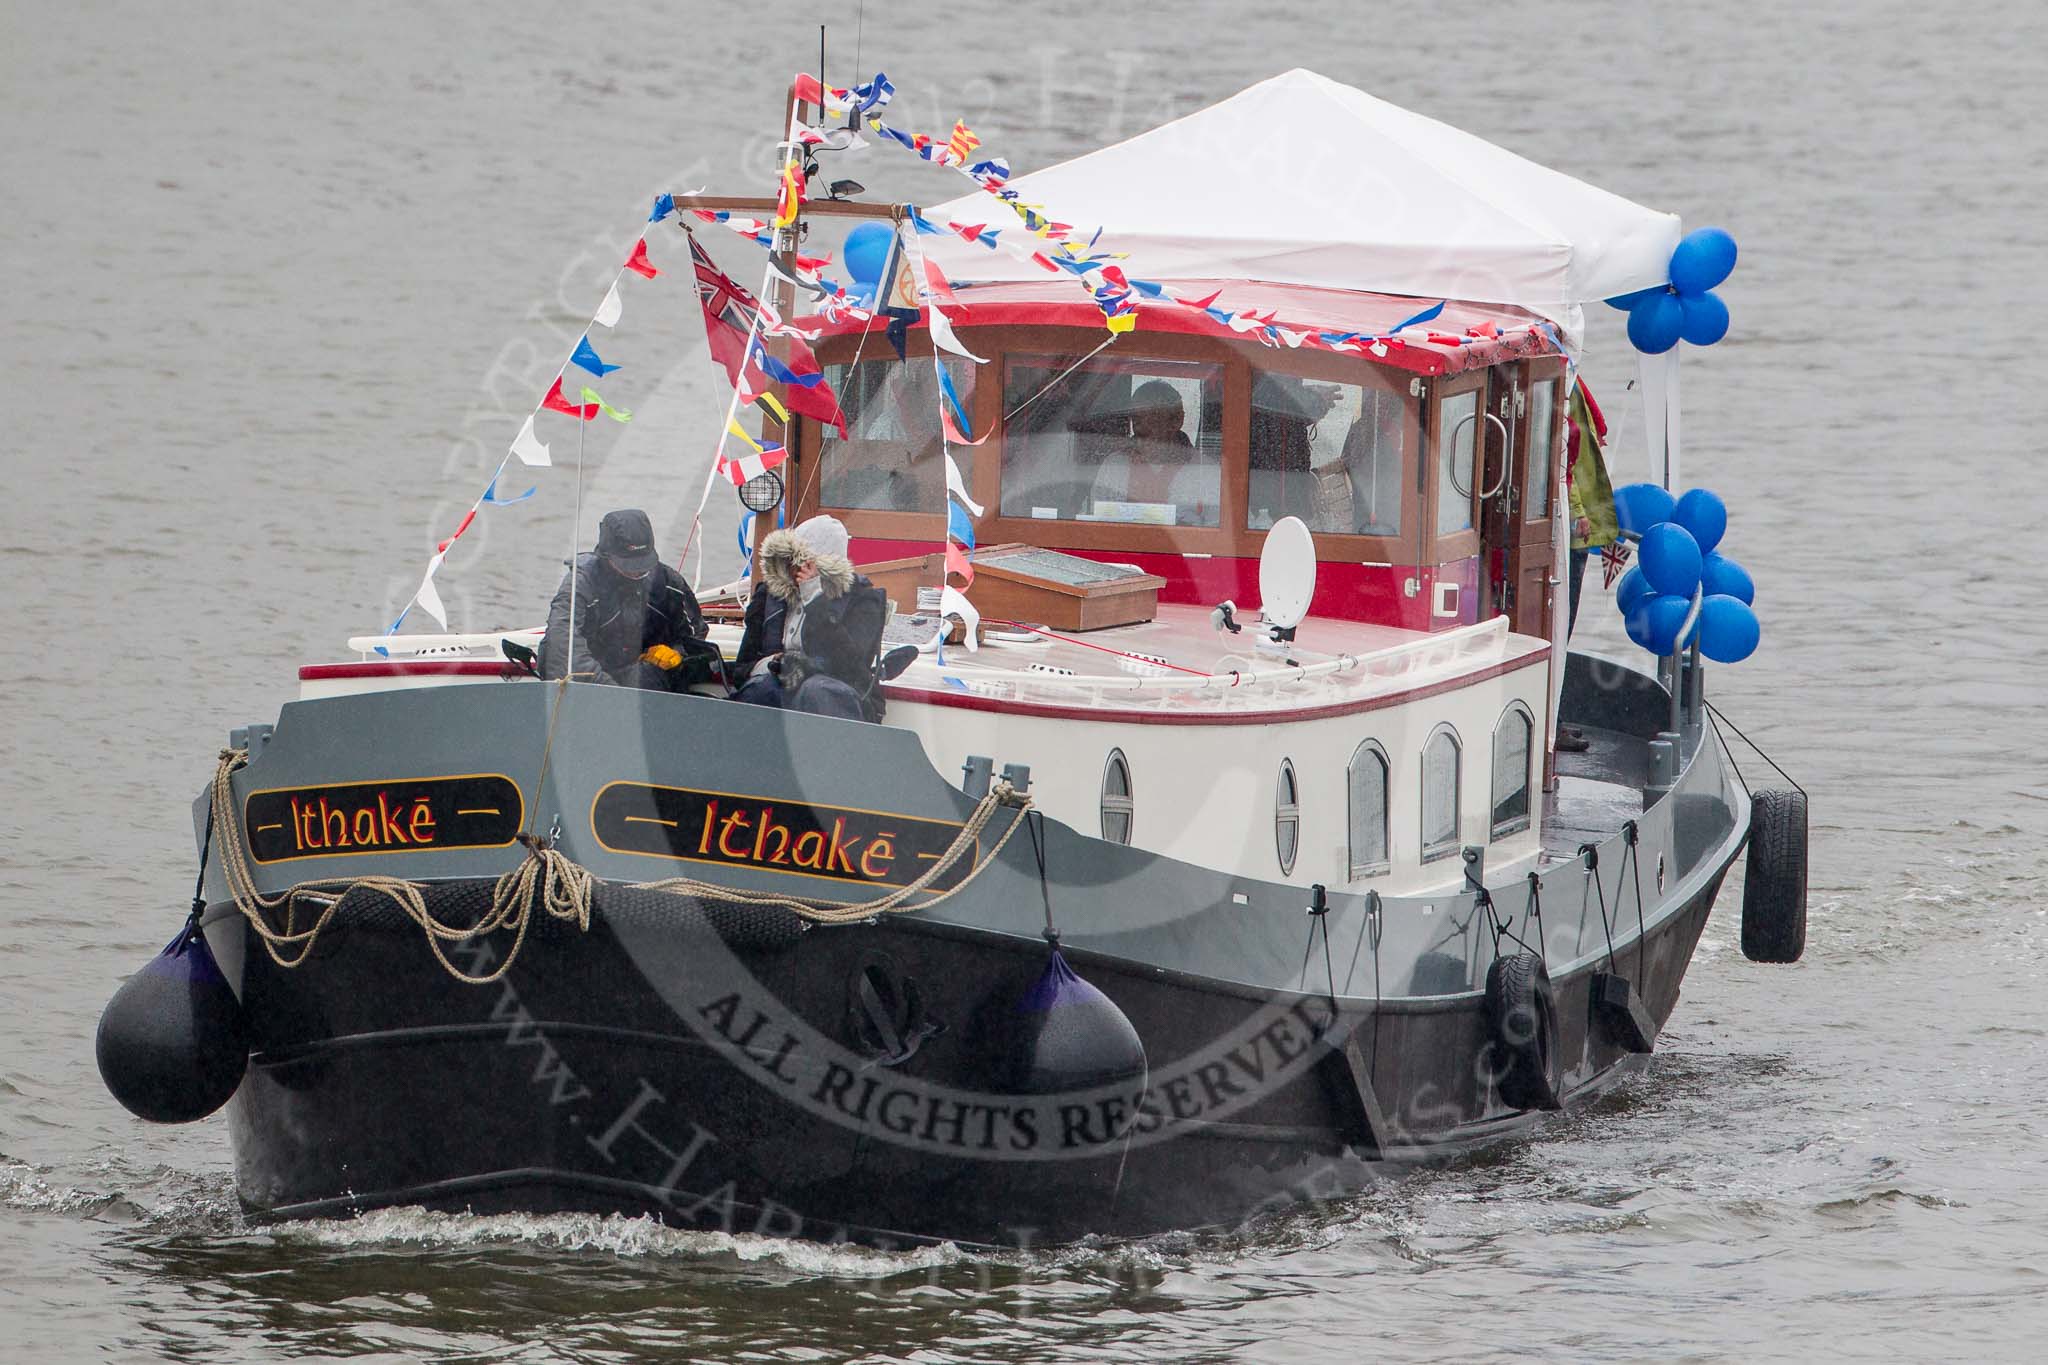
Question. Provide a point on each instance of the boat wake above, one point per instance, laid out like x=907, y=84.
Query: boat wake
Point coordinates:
x=611, y=1235
x=158, y=1197
x=158, y=1202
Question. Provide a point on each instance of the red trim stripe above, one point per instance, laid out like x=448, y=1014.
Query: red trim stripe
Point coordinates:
x=412, y=668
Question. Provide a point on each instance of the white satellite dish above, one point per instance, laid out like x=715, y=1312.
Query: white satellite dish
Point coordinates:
x=1287, y=573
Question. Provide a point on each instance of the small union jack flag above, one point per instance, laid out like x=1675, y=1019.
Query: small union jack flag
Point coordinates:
x=1613, y=560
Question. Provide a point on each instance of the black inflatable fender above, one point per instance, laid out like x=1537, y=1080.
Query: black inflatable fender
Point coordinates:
x=1066, y=1035
x=173, y=1042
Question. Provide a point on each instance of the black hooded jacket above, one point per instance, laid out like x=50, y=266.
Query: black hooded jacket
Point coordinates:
x=617, y=618
x=766, y=614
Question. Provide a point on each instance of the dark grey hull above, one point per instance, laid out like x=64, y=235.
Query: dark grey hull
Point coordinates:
x=859, y=1081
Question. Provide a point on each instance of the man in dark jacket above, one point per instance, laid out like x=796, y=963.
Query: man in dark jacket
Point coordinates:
x=636, y=620
x=814, y=627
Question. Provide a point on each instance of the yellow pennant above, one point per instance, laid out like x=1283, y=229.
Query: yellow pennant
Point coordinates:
x=962, y=142
x=736, y=429
x=788, y=194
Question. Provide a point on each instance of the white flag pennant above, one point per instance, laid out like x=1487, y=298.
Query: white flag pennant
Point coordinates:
x=429, y=597
x=957, y=486
x=740, y=469
x=528, y=447
x=953, y=602
x=942, y=332
x=845, y=139
x=608, y=311
x=940, y=326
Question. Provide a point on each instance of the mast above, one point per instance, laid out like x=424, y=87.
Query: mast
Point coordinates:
x=787, y=240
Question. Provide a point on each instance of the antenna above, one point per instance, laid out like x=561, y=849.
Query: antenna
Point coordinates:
x=1287, y=578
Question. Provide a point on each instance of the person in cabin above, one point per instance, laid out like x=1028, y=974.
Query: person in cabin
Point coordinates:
x=813, y=632
x=1161, y=465
x=890, y=459
x=1594, y=522
x=637, y=622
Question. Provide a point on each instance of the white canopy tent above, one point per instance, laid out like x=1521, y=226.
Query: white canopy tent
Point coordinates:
x=1301, y=180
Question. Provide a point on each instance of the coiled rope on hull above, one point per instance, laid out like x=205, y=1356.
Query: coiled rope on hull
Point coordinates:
x=546, y=875
x=289, y=922
x=820, y=911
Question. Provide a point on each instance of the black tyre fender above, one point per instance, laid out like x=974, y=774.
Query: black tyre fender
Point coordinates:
x=1439, y=974
x=1774, y=887
x=1521, y=1017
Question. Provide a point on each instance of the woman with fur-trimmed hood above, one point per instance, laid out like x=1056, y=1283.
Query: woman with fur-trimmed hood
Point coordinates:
x=814, y=626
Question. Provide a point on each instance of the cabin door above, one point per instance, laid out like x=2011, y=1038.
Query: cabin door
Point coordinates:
x=1454, y=520
x=1522, y=479
x=1500, y=471
x=1535, y=494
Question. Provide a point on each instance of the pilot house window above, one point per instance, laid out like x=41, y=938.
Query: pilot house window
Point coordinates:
x=1328, y=453
x=1440, y=794
x=892, y=459
x=1113, y=440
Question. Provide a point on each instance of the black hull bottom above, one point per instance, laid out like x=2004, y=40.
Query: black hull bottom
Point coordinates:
x=855, y=1083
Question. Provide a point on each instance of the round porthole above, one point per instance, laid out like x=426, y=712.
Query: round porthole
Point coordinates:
x=1119, y=809
x=1286, y=817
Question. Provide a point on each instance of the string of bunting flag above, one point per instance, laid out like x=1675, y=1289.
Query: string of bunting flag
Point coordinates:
x=1113, y=290
x=527, y=446
x=961, y=510
x=836, y=306
x=1054, y=246
x=1051, y=245
x=739, y=324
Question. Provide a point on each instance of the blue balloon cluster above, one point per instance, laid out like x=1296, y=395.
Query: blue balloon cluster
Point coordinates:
x=1676, y=559
x=1687, y=309
x=865, y=253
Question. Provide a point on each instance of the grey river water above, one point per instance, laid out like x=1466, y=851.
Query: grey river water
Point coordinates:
x=274, y=276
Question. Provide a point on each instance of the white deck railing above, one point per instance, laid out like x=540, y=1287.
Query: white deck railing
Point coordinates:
x=1405, y=659
x=1422, y=654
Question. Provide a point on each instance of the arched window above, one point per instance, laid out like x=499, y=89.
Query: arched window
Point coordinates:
x=1440, y=761
x=1287, y=817
x=1366, y=801
x=1512, y=738
x=1119, y=808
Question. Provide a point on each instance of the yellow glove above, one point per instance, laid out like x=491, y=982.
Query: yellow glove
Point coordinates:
x=661, y=656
